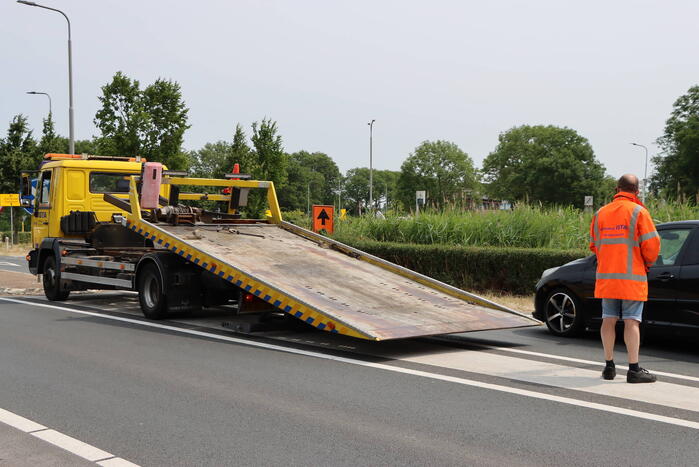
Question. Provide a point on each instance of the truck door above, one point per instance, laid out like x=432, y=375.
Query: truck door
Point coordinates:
x=44, y=201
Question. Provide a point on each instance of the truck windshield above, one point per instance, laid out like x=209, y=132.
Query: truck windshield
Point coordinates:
x=106, y=182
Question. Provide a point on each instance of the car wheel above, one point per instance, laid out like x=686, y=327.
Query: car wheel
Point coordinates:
x=52, y=281
x=563, y=313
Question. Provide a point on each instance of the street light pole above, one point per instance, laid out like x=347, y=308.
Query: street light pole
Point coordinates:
x=71, y=126
x=645, y=172
x=339, y=194
x=371, y=164
x=45, y=94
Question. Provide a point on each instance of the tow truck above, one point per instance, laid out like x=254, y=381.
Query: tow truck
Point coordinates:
x=123, y=223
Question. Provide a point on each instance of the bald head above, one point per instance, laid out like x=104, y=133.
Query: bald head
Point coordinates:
x=628, y=183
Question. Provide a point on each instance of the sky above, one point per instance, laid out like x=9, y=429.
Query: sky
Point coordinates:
x=462, y=71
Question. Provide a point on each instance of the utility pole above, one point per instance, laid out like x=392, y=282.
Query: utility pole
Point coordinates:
x=45, y=94
x=645, y=173
x=339, y=194
x=371, y=165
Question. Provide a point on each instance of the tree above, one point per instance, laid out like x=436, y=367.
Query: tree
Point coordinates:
x=355, y=190
x=240, y=153
x=548, y=164
x=312, y=178
x=268, y=161
x=18, y=151
x=215, y=160
x=149, y=122
x=677, y=168
x=122, y=117
x=386, y=188
x=50, y=142
x=211, y=160
x=441, y=169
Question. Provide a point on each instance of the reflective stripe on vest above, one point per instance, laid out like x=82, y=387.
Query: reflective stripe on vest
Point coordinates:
x=597, y=235
x=630, y=243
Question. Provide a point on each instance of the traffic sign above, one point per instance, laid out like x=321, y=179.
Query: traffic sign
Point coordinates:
x=10, y=199
x=323, y=217
x=343, y=214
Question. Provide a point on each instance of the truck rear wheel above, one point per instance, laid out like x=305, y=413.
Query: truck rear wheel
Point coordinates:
x=52, y=281
x=150, y=292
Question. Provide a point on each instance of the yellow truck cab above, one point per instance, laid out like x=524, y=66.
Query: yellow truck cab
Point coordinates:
x=70, y=184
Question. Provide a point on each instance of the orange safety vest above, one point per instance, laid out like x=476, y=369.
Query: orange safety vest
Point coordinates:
x=623, y=237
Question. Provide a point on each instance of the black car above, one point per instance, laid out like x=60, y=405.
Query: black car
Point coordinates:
x=565, y=294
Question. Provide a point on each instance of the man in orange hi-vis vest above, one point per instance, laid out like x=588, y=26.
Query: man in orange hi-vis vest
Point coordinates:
x=623, y=237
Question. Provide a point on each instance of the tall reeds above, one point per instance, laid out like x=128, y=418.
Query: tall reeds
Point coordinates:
x=526, y=226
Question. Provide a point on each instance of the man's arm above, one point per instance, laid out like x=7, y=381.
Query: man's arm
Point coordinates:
x=648, y=238
x=593, y=239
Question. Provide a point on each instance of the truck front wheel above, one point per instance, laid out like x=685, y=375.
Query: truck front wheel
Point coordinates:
x=150, y=292
x=52, y=281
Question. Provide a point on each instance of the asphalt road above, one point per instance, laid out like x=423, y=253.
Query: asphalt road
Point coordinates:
x=196, y=393
x=13, y=263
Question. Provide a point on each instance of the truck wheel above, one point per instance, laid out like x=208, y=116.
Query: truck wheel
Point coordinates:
x=150, y=292
x=52, y=281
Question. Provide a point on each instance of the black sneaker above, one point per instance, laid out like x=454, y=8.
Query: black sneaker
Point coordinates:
x=640, y=376
x=609, y=372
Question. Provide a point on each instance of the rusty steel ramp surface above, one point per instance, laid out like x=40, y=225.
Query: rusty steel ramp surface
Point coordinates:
x=346, y=291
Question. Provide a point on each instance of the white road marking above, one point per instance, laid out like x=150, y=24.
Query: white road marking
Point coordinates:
x=117, y=462
x=19, y=422
x=533, y=371
x=73, y=445
x=7, y=263
x=435, y=376
x=587, y=362
x=70, y=444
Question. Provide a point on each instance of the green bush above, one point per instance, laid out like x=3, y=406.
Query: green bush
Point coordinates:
x=508, y=270
x=20, y=237
x=297, y=218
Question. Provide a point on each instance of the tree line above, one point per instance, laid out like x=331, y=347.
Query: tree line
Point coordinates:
x=531, y=163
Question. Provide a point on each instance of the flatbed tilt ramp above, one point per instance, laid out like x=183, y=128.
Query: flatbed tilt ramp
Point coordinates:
x=325, y=283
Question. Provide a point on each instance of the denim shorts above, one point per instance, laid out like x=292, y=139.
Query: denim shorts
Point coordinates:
x=623, y=309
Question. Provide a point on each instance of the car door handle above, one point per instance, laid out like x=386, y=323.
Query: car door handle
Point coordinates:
x=666, y=276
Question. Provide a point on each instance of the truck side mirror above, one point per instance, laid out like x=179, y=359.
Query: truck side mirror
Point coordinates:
x=25, y=186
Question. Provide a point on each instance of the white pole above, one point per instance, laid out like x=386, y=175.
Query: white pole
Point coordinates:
x=12, y=226
x=371, y=164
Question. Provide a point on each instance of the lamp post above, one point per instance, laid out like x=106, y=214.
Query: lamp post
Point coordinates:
x=71, y=126
x=339, y=194
x=371, y=163
x=45, y=94
x=645, y=172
